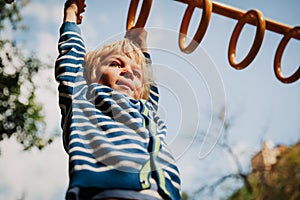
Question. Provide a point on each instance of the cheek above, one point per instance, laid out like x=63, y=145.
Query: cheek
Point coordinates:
x=106, y=77
x=138, y=84
x=138, y=89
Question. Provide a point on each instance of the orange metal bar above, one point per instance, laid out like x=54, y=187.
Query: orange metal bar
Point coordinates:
x=143, y=16
x=207, y=10
x=236, y=13
x=277, y=61
x=257, y=17
x=287, y=31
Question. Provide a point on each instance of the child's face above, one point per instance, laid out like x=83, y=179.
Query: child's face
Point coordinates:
x=122, y=74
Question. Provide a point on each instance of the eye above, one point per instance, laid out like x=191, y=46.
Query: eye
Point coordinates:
x=115, y=64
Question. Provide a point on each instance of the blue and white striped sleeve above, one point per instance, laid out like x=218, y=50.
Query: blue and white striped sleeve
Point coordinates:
x=68, y=65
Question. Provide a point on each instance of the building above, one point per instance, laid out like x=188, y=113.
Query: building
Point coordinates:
x=266, y=158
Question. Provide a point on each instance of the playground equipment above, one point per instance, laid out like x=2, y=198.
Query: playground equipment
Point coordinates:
x=253, y=17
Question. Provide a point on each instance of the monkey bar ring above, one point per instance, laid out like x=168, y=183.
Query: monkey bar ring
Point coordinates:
x=206, y=13
x=261, y=26
x=294, y=77
x=143, y=15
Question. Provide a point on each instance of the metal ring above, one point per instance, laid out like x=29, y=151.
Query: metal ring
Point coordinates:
x=206, y=13
x=284, y=41
x=143, y=15
x=259, y=36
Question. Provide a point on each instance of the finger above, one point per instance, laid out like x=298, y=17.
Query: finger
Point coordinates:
x=79, y=20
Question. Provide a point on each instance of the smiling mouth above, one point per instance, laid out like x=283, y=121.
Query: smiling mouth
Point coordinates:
x=125, y=85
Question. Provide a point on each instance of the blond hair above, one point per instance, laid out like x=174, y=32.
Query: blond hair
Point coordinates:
x=126, y=47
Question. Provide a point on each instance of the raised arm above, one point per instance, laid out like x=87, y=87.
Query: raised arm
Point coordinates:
x=71, y=48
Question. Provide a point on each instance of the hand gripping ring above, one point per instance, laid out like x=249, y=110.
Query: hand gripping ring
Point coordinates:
x=294, y=77
x=206, y=13
x=259, y=36
x=143, y=16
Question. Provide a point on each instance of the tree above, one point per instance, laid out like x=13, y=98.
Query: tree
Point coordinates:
x=20, y=115
x=239, y=175
x=281, y=182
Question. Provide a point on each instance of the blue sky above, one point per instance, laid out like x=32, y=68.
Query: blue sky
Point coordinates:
x=193, y=88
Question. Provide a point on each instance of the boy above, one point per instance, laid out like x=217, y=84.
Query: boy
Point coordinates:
x=112, y=134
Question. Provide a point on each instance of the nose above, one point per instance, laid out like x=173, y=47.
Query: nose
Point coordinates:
x=127, y=73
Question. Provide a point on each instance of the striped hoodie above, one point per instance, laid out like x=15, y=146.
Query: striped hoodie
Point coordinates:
x=113, y=141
